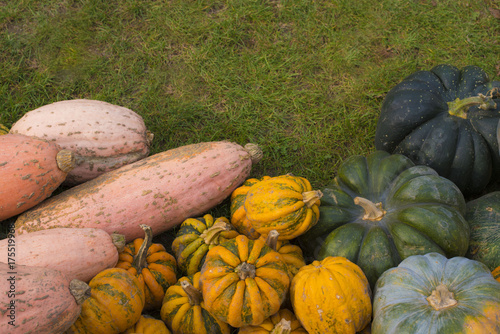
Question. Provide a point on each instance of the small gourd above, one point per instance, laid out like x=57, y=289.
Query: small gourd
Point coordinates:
x=282, y=322
x=148, y=325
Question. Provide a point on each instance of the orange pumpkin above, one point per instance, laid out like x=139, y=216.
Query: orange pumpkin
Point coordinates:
x=148, y=325
x=282, y=322
x=496, y=273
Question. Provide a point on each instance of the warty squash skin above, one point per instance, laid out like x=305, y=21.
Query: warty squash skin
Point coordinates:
x=161, y=191
x=38, y=300
x=30, y=170
x=103, y=136
x=80, y=253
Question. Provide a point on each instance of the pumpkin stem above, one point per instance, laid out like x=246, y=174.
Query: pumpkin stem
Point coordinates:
x=255, y=152
x=282, y=327
x=372, y=211
x=460, y=108
x=119, y=241
x=80, y=290
x=149, y=137
x=211, y=235
x=245, y=270
x=194, y=295
x=66, y=160
x=311, y=197
x=441, y=298
x=272, y=239
x=140, y=257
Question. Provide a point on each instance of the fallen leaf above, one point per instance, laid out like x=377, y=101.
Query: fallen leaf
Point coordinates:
x=495, y=12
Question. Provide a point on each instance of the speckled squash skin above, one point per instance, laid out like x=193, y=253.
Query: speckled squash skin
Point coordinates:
x=43, y=300
x=161, y=191
x=432, y=294
x=331, y=296
x=282, y=322
x=80, y=253
x=148, y=325
x=103, y=136
x=30, y=170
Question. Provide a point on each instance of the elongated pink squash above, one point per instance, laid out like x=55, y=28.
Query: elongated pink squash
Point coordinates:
x=38, y=300
x=79, y=253
x=103, y=136
x=161, y=191
x=30, y=170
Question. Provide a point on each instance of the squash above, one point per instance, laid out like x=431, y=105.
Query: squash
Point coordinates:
x=432, y=294
x=445, y=118
x=183, y=309
x=284, y=203
x=243, y=281
x=496, y=273
x=195, y=237
x=80, y=253
x=237, y=210
x=3, y=129
x=103, y=136
x=30, y=170
x=115, y=304
x=152, y=265
x=292, y=254
x=483, y=216
x=282, y=322
x=161, y=191
x=38, y=300
x=148, y=325
x=382, y=208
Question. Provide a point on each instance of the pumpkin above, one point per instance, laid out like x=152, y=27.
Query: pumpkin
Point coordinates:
x=292, y=254
x=38, y=300
x=432, y=294
x=115, y=304
x=152, y=265
x=237, y=210
x=282, y=322
x=103, y=136
x=496, y=273
x=195, y=237
x=3, y=129
x=382, y=208
x=284, y=203
x=183, y=309
x=30, y=170
x=243, y=281
x=148, y=325
x=331, y=296
x=445, y=118
x=161, y=190
x=483, y=216
x=80, y=253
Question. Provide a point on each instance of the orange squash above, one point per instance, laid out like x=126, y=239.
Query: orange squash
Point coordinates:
x=282, y=322
x=3, y=129
x=148, y=325
x=496, y=273
x=292, y=254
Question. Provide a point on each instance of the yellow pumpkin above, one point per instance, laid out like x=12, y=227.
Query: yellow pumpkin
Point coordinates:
x=331, y=296
x=496, y=273
x=284, y=203
x=282, y=322
x=148, y=325
x=292, y=254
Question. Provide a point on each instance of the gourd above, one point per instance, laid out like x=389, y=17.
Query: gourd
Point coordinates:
x=148, y=325
x=284, y=203
x=382, y=208
x=292, y=254
x=331, y=296
x=30, y=170
x=282, y=322
x=38, y=300
x=152, y=265
x=115, y=304
x=161, y=190
x=80, y=253
x=183, y=309
x=445, y=118
x=496, y=273
x=103, y=136
x=195, y=237
x=243, y=281
x=3, y=129
x=432, y=294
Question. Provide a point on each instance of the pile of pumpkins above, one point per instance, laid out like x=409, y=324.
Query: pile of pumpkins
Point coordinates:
x=404, y=240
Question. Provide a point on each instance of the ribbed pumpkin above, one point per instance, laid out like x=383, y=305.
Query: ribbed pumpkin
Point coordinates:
x=282, y=322
x=237, y=210
x=151, y=264
x=292, y=254
x=183, y=309
x=244, y=281
x=195, y=237
x=148, y=325
x=3, y=129
x=331, y=296
x=284, y=203
x=496, y=273
x=115, y=303
x=432, y=294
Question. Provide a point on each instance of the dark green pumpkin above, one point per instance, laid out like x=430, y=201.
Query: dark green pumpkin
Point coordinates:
x=445, y=118
x=413, y=211
x=483, y=216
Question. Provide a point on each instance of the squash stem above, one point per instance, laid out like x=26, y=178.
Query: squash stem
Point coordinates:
x=441, y=298
x=255, y=152
x=80, y=290
x=119, y=241
x=66, y=160
x=372, y=211
x=282, y=327
x=272, y=239
x=311, y=197
x=194, y=295
x=211, y=235
x=140, y=257
x=460, y=108
x=245, y=270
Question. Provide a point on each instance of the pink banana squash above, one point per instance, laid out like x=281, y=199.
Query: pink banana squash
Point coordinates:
x=102, y=135
x=79, y=253
x=30, y=170
x=161, y=191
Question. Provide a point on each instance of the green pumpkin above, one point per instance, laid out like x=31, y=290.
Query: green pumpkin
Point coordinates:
x=445, y=118
x=382, y=209
x=434, y=295
x=483, y=216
